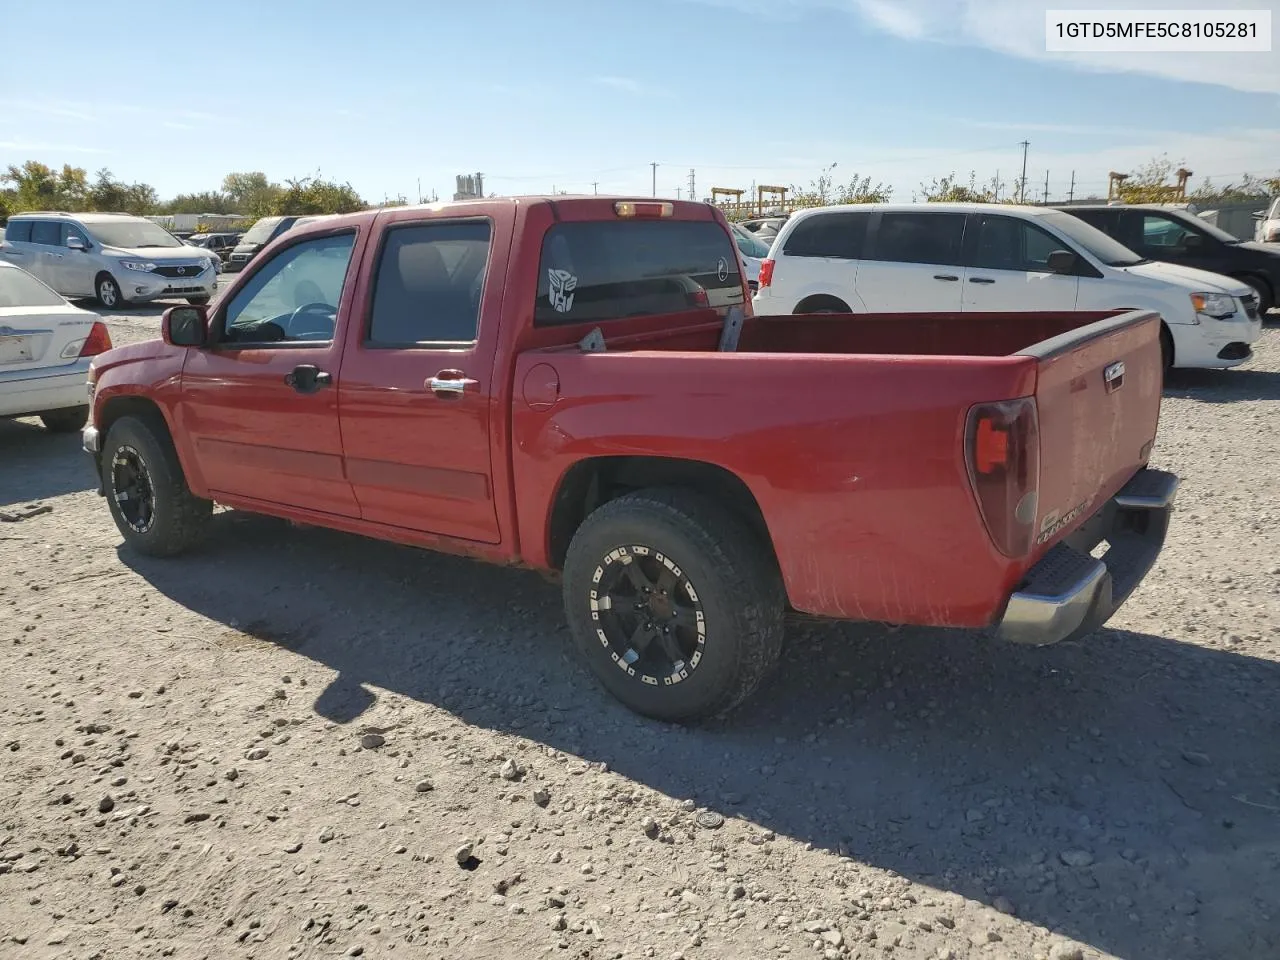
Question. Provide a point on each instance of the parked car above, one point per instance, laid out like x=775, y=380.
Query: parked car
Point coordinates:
x=255, y=238
x=753, y=250
x=46, y=345
x=1268, y=226
x=1178, y=236
x=586, y=397
x=951, y=258
x=220, y=244
x=116, y=258
x=766, y=228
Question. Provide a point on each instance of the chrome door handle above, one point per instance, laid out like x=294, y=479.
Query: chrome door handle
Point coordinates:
x=454, y=386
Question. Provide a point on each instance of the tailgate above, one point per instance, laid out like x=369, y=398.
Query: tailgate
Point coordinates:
x=1098, y=402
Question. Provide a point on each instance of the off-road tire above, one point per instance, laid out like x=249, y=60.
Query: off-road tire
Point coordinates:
x=180, y=518
x=65, y=421
x=737, y=583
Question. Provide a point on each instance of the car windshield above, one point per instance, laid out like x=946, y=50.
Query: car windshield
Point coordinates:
x=1092, y=240
x=261, y=230
x=20, y=289
x=750, y=245
x=1201, y=224
x=131, y=234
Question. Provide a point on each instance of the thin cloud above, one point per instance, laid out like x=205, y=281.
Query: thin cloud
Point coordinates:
x=1017, y=28
x=625, y=84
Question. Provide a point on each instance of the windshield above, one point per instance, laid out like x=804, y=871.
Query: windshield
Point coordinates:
x=1092, y=240
x=20, y=289
x=131, y=234
x=261, y=230
x=751, y=246
x=1201, y=224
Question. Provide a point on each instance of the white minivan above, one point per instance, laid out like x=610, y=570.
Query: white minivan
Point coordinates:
x=958, y=257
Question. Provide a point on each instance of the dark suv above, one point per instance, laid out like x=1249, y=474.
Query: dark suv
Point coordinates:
x=257, y=237
x=1176, y=236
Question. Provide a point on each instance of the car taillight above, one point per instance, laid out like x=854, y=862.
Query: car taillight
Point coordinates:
x=1002, y=448
x=98, y=341
x=766, y=273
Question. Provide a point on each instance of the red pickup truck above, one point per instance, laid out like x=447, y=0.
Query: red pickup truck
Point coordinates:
x=577, y=384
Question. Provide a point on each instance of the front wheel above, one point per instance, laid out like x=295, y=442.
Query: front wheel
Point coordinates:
x=108, y=292
x=65, y=421
x=676, y=606
x=1263, y=293
x=152, y=506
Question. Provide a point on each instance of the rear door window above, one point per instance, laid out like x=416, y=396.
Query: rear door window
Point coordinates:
x=18, y=231
x=46, y=232
x=606, y=270
x=835, y=235
x=919, y=238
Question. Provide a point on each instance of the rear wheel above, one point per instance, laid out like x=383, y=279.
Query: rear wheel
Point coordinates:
x=822, y=304
x=1166, y=349
x=152, y=506
x=108, y=292
x=65, y=421
x=676, y=606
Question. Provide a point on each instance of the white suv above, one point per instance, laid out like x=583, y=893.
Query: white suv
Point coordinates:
x=953, y=258
x=116, y=258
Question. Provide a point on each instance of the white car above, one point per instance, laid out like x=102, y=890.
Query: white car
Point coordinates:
x=957, y=257
x=753, y=252
x=46, y=345
x=1268, y=228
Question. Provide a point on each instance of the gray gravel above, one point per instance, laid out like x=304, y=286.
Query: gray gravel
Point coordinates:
x=893, y=793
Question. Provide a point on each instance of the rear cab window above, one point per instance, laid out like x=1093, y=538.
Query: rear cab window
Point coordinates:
x=593, y=271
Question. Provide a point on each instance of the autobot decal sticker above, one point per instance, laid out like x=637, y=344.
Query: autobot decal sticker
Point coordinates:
x=563, y=283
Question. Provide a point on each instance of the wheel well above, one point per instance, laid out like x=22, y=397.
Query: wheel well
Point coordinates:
x=101, y=274
x=820, y=302
x=590, y=483
x=139, y=407
x=1257, y=280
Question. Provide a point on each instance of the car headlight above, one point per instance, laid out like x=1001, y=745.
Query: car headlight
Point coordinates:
x=1218, y=305
x=211, y=264
x=145, y=266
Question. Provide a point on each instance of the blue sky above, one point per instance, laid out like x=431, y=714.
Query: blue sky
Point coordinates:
x=561, y=93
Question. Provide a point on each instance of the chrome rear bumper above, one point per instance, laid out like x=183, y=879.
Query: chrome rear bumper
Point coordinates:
x=1069, y=592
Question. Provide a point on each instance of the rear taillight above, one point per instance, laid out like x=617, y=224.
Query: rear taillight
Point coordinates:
x=98, y=341
x=1002, y=447
x=766, y=273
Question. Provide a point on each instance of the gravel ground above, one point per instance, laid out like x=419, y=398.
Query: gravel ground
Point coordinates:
x=296, y=743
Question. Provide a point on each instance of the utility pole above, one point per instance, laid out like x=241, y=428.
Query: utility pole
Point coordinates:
x=655, y=178
x=693, y=193
x=419, y=189
x=1046, y=188
x=1022, y=184
x=595, y=184
x=678, y=193
x=1071, y=194
x=997, y=186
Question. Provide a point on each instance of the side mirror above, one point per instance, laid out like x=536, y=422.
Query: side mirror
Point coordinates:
x=185, y=326
x=1062, y=261
x=1193, y=241
x=1259, y=214
x=75, y=243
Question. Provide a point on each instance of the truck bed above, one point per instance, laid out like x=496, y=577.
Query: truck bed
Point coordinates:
x=851, y=434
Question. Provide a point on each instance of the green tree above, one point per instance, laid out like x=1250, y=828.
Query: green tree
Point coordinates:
x=949, y=190
x=1249, y=189
x=39, y=187
x=116, y=196
x=1149, y=183
x=824, y=191
x=251, y=193
x=206, y=201
x=313, y=196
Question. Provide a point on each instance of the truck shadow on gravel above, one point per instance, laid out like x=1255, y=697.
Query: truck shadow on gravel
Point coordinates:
x=1223, y=386
x=956, y=762
x=40, y=465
